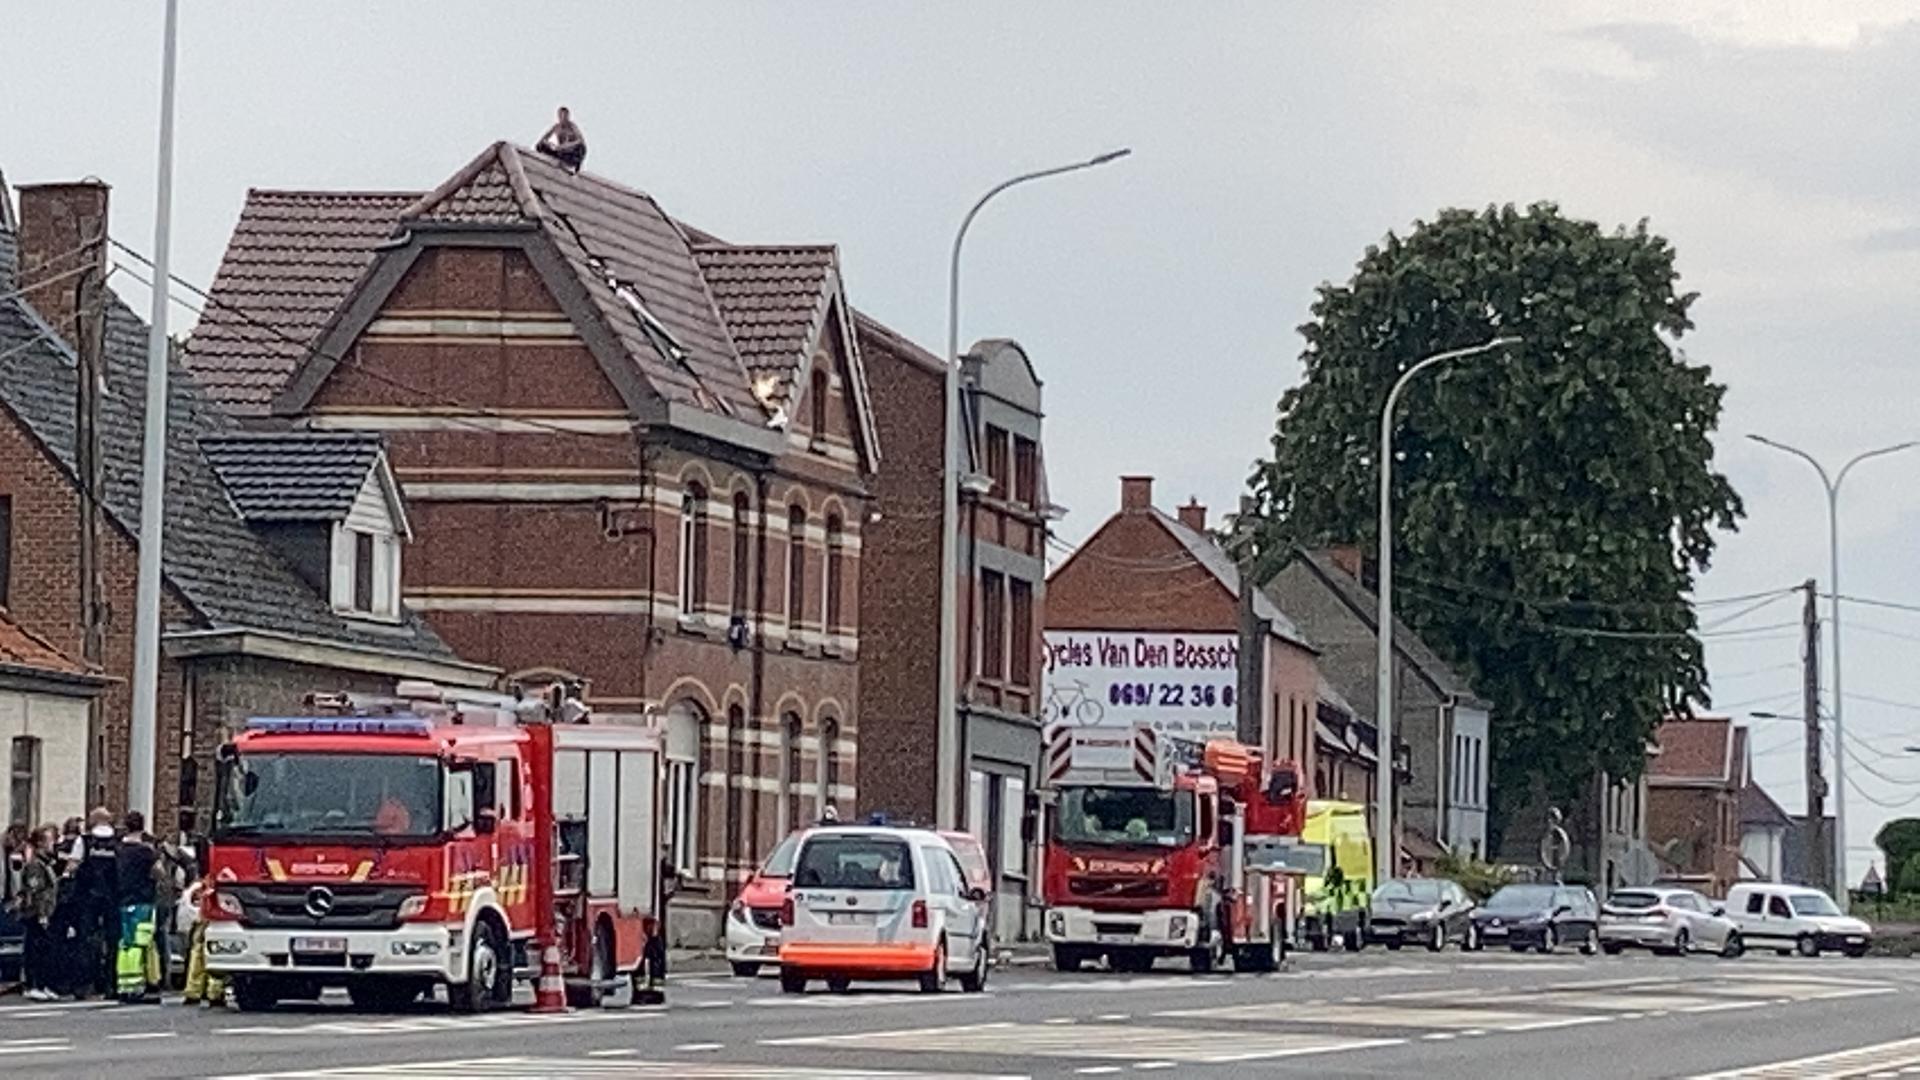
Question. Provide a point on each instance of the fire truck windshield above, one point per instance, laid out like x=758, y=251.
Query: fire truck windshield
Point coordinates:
x=308, y=795
x=1124, y=815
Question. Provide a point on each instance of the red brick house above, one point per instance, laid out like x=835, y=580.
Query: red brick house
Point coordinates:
x=249, y=625
x=1004, y=511
x=634, y=456
x=1694, y=785
x=1148, y=605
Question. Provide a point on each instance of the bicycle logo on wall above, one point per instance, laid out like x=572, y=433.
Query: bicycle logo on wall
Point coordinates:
x=1074, y=706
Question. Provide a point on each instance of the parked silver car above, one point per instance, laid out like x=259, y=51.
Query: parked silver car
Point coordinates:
x=1673, y=922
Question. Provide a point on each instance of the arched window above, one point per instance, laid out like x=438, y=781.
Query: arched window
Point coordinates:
x=833, y=575
x=793, y=813
x=742, y=549
x=736, y=782
x=829, y=762
x=684, y=722
x=796, y=568
x=693, y=549
x=817, y=400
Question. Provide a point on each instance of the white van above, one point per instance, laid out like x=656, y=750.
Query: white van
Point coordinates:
x=1794, y=918
x=869, y=902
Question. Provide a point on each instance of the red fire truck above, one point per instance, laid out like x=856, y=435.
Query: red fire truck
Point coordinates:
x=1160, y=846
x=436, y=837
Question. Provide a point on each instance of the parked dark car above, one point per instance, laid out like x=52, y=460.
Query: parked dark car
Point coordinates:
x=1422, y=911
x=1540, y=917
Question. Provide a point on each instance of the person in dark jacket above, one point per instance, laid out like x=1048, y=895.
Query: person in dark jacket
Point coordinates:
x=39, y=891
x=96, y=902
x=138, y=866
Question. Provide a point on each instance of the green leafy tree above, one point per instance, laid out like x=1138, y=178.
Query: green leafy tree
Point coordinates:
x=1899, y=840
x=1909, y=881
x=1553, y=499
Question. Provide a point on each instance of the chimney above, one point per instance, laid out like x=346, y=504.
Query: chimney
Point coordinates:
x=62, y=231
x=1136, y=493
x=1193, y=515
x=1347, y=558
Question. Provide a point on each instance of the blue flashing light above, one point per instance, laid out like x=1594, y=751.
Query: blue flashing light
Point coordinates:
x=341, y=725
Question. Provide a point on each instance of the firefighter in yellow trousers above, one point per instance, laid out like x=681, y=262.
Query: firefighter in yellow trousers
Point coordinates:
x=202, y=985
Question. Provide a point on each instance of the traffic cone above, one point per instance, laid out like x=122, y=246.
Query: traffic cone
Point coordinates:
x=550, y=993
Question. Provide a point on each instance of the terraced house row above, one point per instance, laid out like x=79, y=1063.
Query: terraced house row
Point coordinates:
x=598, y=444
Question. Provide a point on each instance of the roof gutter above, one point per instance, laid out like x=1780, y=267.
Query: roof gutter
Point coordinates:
x=293, y=648
x=25, y=678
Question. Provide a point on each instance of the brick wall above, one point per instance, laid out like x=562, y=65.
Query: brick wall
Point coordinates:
x=900, y=604
x=1688, y=827
x=546, y=551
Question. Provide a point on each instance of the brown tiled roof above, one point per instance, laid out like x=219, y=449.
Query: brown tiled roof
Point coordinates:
x=1693, y=750
x=22, y=648
x=775, y=300
x=294, y=256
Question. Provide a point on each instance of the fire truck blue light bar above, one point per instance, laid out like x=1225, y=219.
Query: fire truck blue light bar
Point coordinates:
x=341, y=725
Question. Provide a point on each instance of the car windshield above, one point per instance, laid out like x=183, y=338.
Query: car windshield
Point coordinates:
x=1101, y=815
x=1633, y=901
x=780, y=863
x=1425, y=892
x=854, y=862
x=284, y=795
x=1518, y=898
x=1812, y=904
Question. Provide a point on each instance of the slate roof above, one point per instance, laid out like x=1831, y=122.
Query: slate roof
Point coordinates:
x=293, y=475
x=1693, y=750
x=1203, y=550
x=222, y=569
x=1365, y=606
x=717, y=326
x=1757, y=807
x=293, y=258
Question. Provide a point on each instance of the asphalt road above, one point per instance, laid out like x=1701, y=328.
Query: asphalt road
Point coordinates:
x=1373, y=1015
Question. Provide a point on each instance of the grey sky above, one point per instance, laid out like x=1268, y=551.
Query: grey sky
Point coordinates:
x=1772, y=142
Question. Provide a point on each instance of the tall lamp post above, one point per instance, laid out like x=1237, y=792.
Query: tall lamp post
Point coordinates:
x=947, y=736
x=1383, y=853
x=1832, y=484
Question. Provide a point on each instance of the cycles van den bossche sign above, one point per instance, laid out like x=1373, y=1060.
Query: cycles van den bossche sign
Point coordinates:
x=1178, y=683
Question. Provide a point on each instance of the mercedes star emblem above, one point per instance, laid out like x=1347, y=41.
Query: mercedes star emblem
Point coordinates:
x=319, y=901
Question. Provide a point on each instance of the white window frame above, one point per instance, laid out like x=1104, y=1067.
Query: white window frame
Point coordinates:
x=386, y=572
x=690, y=512
x=1013, y=810
x=683, y=789
x=34, y=774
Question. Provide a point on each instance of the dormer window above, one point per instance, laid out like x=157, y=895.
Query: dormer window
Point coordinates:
x=366, y=574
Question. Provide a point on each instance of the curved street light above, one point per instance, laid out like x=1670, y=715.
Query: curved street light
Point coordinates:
x=946, y=807
x=1832, y=484
x=1385, y=865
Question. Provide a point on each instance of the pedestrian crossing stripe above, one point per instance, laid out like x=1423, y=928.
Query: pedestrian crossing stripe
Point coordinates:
x=1101, y=1042
x=1361, y=1014
x=1882, y=1059
x=414, y=1025
x=543, y=1068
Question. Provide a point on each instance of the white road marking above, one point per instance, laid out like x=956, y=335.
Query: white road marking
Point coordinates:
x=697, y=1048
x=619, y=1051
x=1097, y=1070
x=1007, y=1038
x=712, y=1005
x=135, y=1036
x=1365, y=1015
x=36, y=1046
x=519, y=1068
x=1900, y=1054
x=1155, y=1066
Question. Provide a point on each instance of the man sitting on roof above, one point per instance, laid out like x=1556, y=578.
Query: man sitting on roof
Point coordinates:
x=563, y=142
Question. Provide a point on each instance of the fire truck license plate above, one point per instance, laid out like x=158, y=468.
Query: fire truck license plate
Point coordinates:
x=320, y=944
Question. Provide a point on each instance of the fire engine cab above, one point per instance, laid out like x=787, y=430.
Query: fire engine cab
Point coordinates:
x=1160, y=846
x=437, y=837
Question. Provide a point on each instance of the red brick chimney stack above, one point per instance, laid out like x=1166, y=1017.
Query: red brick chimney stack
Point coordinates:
x=1193, y=515
x=1136, y=494
x=62, y=228
x=1347, y=558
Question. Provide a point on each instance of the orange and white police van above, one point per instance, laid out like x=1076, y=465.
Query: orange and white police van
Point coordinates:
x=435, y=838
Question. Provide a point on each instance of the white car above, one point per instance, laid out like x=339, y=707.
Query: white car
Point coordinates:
x=1673, y=922
x=1794, y=918
x=753, y=919
x=871, y=902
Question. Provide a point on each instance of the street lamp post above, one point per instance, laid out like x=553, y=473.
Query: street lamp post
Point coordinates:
x=1832, y=484
x=947, y=734
x=1383, y=854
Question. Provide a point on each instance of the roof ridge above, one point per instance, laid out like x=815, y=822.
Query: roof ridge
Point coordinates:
x=333, y=193
x=496, y=154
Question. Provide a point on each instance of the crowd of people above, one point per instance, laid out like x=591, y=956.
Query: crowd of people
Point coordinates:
x=96, y=903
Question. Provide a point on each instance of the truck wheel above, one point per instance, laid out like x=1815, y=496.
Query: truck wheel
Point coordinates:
x=486, y=972
x=792, y=982
x=599, y=974
x=1068, y=958
x=745, y=969
x=1209, y=957
x=1260, y=957
x=252, y=993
